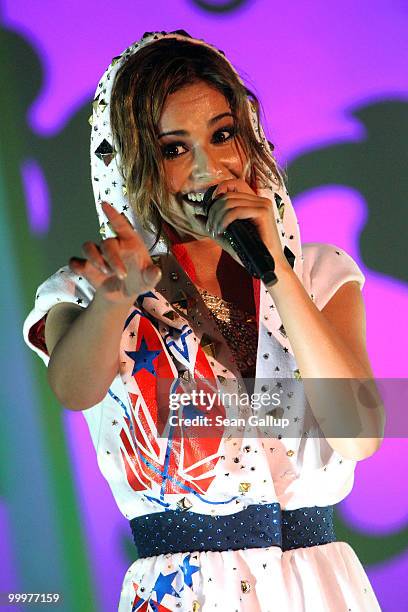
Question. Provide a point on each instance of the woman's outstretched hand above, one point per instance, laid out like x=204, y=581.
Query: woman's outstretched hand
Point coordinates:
x=120, y=268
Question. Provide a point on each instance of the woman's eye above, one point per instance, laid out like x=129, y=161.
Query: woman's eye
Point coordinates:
x=170, y=151
x=227, y=130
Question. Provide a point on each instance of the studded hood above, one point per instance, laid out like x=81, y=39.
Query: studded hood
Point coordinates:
x=107, y=180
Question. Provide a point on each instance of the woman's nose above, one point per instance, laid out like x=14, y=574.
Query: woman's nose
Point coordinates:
x=205, y=166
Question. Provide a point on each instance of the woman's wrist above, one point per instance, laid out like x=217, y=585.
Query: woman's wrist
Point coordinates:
x=284, y=272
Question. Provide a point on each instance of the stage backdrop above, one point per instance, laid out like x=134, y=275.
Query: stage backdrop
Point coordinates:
x=333, y=81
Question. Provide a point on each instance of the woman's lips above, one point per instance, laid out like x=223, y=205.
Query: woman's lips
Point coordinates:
x=196, y=207
x=196, y=210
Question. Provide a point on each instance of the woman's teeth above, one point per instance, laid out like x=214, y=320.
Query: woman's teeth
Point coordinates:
x=197, y=208
x=194, y=197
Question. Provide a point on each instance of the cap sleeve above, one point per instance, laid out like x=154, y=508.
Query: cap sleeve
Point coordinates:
x=63, y=286
x=326, y=268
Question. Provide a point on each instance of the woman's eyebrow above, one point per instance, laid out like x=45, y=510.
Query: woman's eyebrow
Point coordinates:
x=185, y=133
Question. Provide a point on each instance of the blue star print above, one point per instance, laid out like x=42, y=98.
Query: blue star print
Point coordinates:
x=188, y=571
x=143, y=358
x=163, y=586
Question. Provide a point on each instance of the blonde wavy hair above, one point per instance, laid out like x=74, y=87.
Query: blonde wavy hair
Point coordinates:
x=139, y=93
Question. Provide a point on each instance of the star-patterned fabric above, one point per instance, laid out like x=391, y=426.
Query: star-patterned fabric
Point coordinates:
x=169, y=339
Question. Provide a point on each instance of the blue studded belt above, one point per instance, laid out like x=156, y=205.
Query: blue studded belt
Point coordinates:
x=258, y=526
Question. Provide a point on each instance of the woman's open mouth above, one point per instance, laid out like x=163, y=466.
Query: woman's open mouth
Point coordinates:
x=197, y=208
x=198, y=204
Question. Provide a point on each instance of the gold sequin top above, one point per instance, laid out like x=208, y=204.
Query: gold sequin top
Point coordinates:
x=238, y=328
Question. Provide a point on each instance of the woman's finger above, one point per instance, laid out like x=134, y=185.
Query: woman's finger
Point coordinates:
x=151, y=275
x=215, y=213
x=85, y=268
x=125, y=231
x=228, y=202
x=111, y=253
x=235, y=185
x=118, y=222
x=77, y=264
x=238, y=212
x=93, y=253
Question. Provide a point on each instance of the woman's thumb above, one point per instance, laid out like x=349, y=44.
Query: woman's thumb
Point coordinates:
x=151, y=275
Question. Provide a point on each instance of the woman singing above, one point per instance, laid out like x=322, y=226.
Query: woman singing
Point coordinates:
x=231, y=518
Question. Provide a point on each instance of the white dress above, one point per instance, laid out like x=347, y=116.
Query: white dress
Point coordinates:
x=150, y=473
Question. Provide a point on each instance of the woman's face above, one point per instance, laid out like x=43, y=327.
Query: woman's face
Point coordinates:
x=204, y=150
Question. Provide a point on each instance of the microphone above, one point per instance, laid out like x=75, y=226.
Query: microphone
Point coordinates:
x=243, y=236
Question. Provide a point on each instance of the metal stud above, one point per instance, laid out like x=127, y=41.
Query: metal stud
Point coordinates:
x=105, y=152
x=208, y=345
x=184, y=503
x=170, y=315
x=244, y=487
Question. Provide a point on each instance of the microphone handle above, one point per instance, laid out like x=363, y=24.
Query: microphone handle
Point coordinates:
x=244, y=238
